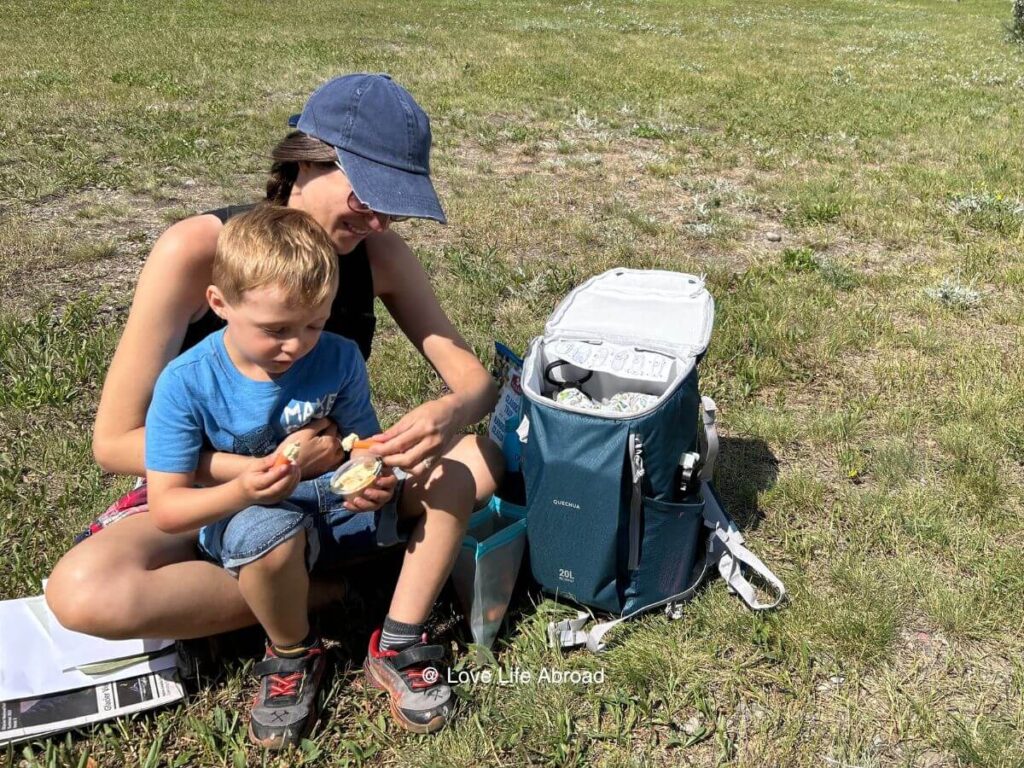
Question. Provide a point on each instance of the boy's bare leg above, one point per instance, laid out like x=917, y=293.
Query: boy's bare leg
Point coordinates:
x=276, y=588
x=290, y=675
x=443, y=501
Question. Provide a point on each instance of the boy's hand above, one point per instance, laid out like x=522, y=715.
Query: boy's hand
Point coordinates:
x=267, y=484
x=320, y=448
x=377, y=495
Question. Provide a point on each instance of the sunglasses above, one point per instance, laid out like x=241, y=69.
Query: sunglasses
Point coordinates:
x=358, y=206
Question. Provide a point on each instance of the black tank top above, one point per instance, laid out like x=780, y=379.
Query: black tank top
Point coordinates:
x=351, y=313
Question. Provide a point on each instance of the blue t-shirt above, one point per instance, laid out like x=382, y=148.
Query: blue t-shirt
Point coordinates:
x=202, y=400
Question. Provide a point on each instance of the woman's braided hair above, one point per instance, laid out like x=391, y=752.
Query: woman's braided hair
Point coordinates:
x=294, y=148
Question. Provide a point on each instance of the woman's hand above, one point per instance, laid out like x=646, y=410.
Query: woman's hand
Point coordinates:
x=419, y=437
x=319, y=447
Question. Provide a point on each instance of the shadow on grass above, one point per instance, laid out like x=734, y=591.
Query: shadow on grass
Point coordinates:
x=745, y=469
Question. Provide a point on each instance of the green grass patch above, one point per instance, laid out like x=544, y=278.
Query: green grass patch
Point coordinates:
x=866, y=367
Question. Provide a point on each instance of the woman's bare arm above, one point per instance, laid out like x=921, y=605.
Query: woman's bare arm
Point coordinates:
x=402, y=284
x=170, y=293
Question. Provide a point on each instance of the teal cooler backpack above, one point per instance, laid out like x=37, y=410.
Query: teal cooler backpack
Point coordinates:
x=622, y=516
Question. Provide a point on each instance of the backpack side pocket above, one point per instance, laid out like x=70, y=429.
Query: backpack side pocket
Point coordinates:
x=672, y=541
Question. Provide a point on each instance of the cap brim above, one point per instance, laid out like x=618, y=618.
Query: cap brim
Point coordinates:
x=391, y=190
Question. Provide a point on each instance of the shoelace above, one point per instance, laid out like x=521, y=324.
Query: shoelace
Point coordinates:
x=285, y=685
x=414, y=676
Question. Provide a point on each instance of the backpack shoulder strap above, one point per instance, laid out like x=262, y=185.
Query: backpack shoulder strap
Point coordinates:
x=735, y=561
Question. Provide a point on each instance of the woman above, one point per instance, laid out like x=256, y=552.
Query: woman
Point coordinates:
x=358, y=162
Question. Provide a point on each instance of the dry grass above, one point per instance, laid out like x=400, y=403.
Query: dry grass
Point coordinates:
x=871, y=403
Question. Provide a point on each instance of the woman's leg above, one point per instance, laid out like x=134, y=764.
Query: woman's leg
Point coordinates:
x=133, y=580
x=443, y=500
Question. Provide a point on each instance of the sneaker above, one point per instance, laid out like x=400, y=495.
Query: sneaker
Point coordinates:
x=420, y=699
x=286, y=703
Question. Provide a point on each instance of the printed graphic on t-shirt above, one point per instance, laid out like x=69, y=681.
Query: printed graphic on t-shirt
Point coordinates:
x=298, y=413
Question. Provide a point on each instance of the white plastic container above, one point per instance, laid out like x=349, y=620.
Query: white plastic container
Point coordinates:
x=362, y=472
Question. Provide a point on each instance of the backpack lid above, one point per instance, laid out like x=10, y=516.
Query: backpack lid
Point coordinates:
x=651, y=307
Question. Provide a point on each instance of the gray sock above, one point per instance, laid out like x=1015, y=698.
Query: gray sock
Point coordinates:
x=395, y=636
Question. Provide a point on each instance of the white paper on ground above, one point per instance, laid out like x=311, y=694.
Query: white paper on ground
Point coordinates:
x=77, y=649
x=30, y=661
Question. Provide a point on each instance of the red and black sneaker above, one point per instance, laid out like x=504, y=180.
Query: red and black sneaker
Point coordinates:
x=286, y=703
x=414, y=679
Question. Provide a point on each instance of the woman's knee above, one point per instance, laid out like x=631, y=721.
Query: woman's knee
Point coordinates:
x=96, y=602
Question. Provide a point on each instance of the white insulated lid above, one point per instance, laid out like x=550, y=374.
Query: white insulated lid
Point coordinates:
x=640, y=307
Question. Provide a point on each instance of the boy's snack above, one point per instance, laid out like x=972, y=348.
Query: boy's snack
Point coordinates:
x=352, y=441
x=508, y=370
x=355, y=476
x=290, y=455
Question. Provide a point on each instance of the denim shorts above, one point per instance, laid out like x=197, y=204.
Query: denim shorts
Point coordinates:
x=333, y=534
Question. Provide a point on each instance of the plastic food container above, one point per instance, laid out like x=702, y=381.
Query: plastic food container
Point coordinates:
x=355, y=476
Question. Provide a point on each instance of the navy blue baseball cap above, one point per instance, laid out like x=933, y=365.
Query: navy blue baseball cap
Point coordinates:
x=382, y=137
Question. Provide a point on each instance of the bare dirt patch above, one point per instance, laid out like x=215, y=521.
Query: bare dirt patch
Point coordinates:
x=671, y=204
x=95, y=241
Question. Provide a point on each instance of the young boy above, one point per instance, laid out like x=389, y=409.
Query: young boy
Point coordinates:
x=243, y=390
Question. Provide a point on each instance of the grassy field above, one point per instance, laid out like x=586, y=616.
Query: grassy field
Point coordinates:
x=849, y=176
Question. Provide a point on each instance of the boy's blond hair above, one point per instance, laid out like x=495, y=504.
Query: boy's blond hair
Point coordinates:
x=274, y=245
